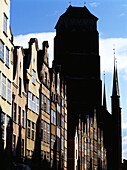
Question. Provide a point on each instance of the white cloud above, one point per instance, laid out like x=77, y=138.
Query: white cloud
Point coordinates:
x=105, y=45
x=22, y=40
x=124, y=125
x=107, y=54
x=94, y=4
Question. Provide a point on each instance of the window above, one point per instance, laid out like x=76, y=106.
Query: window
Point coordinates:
x=19, y=115
x=22, y=148
x=62, y=121
x=1, y=50
x=20, y=85
x=32, y=130
x=52, y=141
x=29, y=100
x=5, y=24
x=15, y=112
x=9, y=92
x=8, y=130
x=34, y=77
x=14, y=142
x=28, y=129
x=37, y=105
x=41, y=129
x=23, y=118
x=45, y=100
x=8, y=121
x=65, y=154
x=48, y=156
x=33, y=103
x=51, y=116
x=62, y=142
x=7, y=56
x=45, y=132
x=3, y=86
x=3, y=125
x=42, y=103
x=48, y=106
x=65, y=132
x=48, y=136
x=28, y=153
x=45, y=78
x=54, y=118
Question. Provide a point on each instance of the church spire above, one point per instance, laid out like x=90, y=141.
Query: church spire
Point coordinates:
x=115, y=90
x=104, y=95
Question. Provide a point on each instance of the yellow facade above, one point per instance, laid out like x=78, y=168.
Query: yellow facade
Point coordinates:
x=6, y=63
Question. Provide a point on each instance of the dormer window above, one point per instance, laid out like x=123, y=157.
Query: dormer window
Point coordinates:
x=34, y=77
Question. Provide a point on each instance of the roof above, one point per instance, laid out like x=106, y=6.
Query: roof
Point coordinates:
x=77, y=13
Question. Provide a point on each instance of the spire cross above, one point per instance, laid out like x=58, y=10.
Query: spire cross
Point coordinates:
x=70, y=2
x=115, y=59
x=84, y=3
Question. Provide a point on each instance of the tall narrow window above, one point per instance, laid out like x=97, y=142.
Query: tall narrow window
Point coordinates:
x=23, y=118
x=48, y=136
x=3, y=125
x=28, y=129
x=45, y=132
x=51, y=116
x=48, y=106
x=7, y=56
x=19, y=115
x=1, y=50
x=37, y=105
x=34, y=77
x=5, y=24
x=15, y=112
x=33, y=130
x=22, y=148
x=42, y=102
x=54, y=118
x=20, y=85
x=4, y=87
x=45, y=103
x=41, y=129
x=8, y=129
x=33, y=103
x=29, y=100
x=14, y=142
x=9, y=92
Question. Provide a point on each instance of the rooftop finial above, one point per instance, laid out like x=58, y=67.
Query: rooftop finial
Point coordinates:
x=70, y=2
x=84, y=3
x=115, y=60
x=104, y=76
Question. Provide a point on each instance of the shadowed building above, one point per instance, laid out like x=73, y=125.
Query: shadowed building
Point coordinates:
x=76, y=49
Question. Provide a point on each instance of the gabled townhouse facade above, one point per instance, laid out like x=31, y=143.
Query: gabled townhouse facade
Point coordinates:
x=19, y=105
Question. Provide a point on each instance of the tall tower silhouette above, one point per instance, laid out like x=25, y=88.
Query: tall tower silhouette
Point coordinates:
x=76, y=50
x=116, y=113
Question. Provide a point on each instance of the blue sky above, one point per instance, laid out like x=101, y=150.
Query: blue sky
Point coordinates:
x=39, y=17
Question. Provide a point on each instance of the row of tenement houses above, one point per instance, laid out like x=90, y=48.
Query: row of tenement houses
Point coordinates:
x=33, y=108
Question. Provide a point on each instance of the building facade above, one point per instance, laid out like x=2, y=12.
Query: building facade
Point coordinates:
x=53, y=118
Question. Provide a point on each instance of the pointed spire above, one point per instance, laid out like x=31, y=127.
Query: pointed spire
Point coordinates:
x=104, y=95
x=115, y=90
